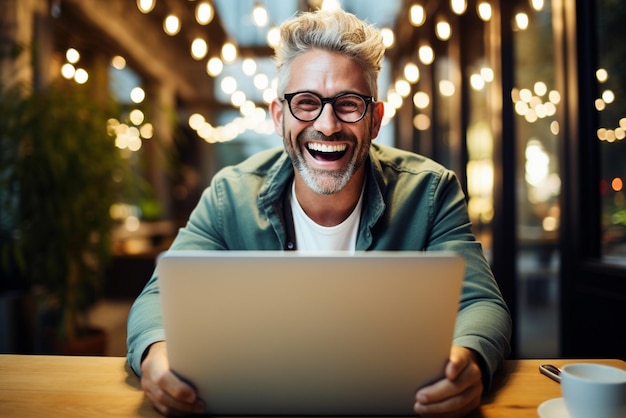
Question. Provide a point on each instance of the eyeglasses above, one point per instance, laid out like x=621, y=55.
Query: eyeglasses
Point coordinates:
x=307, y=106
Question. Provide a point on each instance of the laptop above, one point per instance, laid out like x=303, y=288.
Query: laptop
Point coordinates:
x=289, y=333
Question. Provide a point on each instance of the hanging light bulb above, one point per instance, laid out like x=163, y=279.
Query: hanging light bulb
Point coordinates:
x=259, y=15
x=484, y=10
x=331, y=5
x=446, y=88
x=118, y=62
x=137, y=95
x=214, y=67
x=145, y=6
x=521, y=21
x=81, y=76
x=229, y=52
x=421, y=100
x=388, y=37
x=199, y=48
x=204, y=13
x=261, y=81
x=411, y=73
x=458, y=6
x=248, y=66
x=273, y=36
x=68, y=71
x=229, y=85
x=426, y=54
x=171, y=25
x=72, y=55
x=417, y=15
x=443, y=30
x=403, y=87
x=537, y=4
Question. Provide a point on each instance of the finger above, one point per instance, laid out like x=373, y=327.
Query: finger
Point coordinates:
x=170, y=394
x=460, y=358
x=445, y=388
x=437, y=392
x=455, y=406
x=176, y=388
x=170, y=406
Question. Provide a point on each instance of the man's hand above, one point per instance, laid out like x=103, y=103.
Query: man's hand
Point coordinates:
x=458, y=393
x=170, y=395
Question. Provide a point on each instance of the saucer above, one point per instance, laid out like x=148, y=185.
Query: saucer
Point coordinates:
x=554, y=408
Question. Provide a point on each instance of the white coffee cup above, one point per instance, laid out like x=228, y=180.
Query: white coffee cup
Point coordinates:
x=594, y=390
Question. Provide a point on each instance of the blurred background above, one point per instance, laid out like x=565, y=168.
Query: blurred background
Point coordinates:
x=115, y=114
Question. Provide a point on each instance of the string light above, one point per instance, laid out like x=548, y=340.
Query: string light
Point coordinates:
x=137, y=95
x=214, y=67
x=199, y=48
x=273, y=36
x=421, y=100
x=426, y=54
x=118, y=62
x=403, y=88
x=417, y=15
x=330, y=5
x=171, y=25
x=229, y=85
x=487, y=74
x=68, y=71
x=388, y=37
x=411, y=73
x=261, y=81
x=81, y=76
x=537, y=4
x=443, y=30
x=204, y=13
x=521, y=21
x=447, y=88
x=484, y=11
x=145, y=6
x=72, y=56
x=259, y=15
x=229, y=52
x=477, y=82
x=248, y=66
x=458, y=6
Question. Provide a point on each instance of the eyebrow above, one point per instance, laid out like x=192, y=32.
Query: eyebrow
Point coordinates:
x=335, y=95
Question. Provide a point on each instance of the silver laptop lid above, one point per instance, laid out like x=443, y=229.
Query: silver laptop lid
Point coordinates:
x=284, y=333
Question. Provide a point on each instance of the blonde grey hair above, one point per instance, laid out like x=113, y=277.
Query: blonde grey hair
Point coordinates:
x=335, y=31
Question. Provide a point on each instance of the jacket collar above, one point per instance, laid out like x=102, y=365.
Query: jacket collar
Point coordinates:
x=272, y=196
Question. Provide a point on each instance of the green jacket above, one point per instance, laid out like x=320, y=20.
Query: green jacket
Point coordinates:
x=411, y=203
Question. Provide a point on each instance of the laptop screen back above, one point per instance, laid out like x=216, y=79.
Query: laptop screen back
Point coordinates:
x=284, y=333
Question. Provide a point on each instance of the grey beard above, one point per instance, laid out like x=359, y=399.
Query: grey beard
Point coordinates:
x=324, y=182
x=321, y=181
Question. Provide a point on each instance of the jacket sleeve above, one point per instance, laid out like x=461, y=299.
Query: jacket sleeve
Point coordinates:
x=483, y=321
x=145, y=323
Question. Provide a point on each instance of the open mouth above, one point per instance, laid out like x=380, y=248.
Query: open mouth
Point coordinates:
x=326, y=152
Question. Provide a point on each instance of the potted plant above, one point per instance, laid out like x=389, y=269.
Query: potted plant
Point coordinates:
x=60, y=173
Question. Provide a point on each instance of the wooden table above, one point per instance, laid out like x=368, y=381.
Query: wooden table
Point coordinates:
x=55, y=386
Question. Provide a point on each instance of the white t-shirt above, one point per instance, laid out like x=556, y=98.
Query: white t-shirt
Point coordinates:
x=311, y=236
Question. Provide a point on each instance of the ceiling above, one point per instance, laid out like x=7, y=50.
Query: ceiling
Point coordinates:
x=117, y=27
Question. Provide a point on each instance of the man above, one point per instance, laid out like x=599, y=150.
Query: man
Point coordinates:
x=332, y=188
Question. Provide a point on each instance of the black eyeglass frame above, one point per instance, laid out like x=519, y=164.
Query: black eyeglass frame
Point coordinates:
x=367, y=99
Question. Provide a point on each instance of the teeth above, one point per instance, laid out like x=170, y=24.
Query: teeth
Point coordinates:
x=314, y=146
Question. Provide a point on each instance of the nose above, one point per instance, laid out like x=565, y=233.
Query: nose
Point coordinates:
x=327, y=123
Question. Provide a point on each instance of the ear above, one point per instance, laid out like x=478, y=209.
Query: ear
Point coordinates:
x=378, y=112
x=276, y=111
